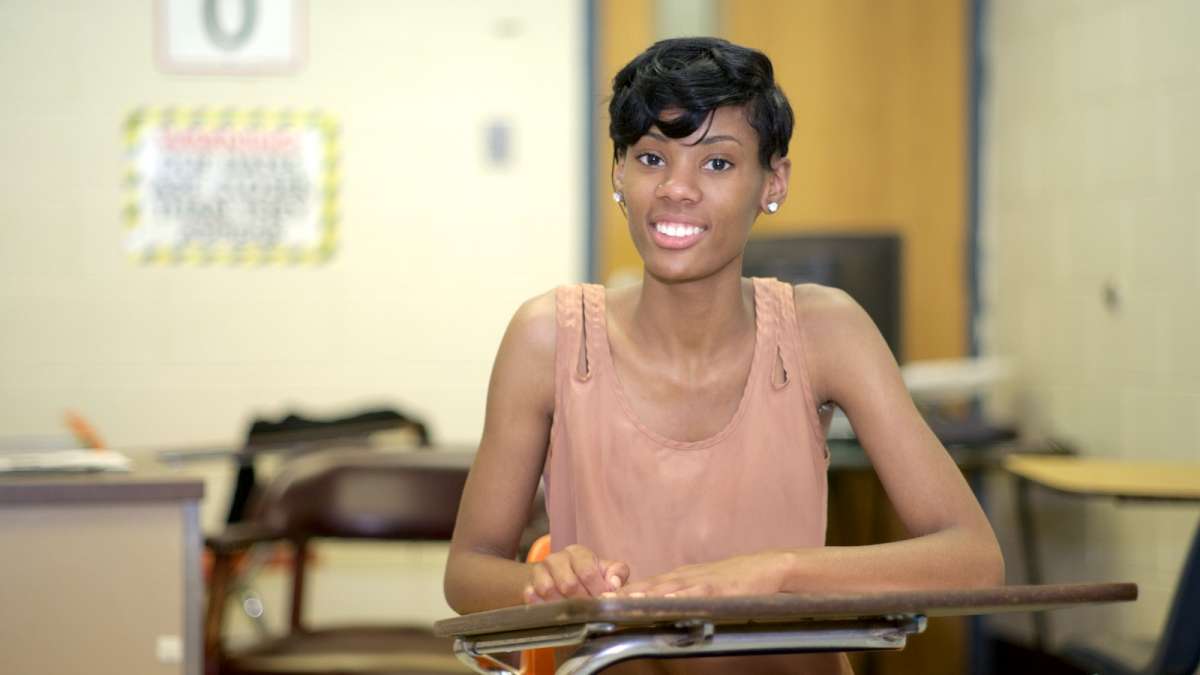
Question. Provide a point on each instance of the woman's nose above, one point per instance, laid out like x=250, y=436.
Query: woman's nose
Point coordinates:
x=679, y=186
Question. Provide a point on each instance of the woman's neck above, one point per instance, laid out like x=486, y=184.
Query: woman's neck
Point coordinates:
x=696, y=319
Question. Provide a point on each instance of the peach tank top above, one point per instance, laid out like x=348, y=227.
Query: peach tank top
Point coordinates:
x=630, y=494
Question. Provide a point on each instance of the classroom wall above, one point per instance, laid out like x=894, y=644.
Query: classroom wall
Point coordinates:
x=1091, y=262
x=437, y=247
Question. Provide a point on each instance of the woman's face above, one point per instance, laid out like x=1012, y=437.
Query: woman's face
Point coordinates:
x=691, y=201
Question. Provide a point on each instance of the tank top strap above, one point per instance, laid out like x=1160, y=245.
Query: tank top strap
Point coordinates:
x=595, y=327
x=570, y=353
x=785, y=344
x=791, y=351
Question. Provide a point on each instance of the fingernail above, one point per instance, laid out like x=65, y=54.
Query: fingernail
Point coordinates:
x=668, y=595
x=614, y=581
x=637, y=594
x=608, y=595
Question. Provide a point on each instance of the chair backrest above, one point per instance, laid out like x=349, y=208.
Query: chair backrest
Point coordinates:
x=355, y=494
x=1178, y=652
x=295, y=434
x=364, y=495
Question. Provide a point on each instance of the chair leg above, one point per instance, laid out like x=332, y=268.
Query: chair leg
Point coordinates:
x=218, y=589
x=299, y=569
x=248, y=598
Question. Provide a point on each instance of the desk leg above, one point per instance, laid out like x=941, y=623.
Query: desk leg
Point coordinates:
x=1033, y=569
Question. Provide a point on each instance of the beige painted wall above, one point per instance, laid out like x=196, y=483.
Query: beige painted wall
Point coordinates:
x=437, y=248
x=1091, y=162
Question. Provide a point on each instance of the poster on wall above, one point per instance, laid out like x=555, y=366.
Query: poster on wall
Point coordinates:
x=230, y=37
x=230, y=186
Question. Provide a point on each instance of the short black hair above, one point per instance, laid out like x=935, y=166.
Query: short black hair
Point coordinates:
x=697, y=75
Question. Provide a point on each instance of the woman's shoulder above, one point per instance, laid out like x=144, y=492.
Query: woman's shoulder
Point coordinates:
x=830, y=318
x=814, y=301
x=532, y=328
x=524, y=367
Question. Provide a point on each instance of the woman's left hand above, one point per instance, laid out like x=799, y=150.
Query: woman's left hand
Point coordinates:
x=754, y=574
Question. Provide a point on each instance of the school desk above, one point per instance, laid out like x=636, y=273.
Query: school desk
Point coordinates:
x=1121, y=479
x=610, y=630
x=100, y=572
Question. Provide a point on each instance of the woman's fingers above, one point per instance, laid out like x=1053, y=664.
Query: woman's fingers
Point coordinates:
x=670, y=585
x=563, y=575
x=587, y=570
x=543, y=587
x=696, y=591
x=574, y=572
x=615, y=574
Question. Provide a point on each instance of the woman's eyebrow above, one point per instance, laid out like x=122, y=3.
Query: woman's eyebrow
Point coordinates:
x=707, y=140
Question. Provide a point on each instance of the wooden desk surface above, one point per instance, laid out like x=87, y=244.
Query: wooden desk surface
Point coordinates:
x=784, y=607
x=1135, y=479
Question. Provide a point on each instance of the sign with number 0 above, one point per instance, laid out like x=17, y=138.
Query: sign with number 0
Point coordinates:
x=259, y=37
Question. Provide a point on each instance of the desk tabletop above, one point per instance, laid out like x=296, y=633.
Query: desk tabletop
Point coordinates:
x=147, y=481
x=1135, y=479
x=782, y=608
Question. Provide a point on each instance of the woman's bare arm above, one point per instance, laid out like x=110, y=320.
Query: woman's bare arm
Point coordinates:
x=481, y=572
x=952, y=543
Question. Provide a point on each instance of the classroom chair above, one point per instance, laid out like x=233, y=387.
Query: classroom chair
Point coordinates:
x=344, y=495
x=295, y=435
x=291, y=436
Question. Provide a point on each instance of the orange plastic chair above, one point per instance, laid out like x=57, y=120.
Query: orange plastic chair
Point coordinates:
x=538, y=661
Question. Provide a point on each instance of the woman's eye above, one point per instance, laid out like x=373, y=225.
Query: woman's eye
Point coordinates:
x=650, y=159
x=718, y=164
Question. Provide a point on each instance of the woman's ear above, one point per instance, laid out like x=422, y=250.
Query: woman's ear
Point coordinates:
x=775, y=189
x=618, y=174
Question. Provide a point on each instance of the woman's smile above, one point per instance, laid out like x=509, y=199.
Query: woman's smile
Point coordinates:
x=676, y=233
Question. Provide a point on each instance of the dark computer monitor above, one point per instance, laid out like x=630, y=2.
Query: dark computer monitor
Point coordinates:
x=867, y=266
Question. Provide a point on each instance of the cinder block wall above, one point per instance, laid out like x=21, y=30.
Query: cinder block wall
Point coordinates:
x=1091, y=259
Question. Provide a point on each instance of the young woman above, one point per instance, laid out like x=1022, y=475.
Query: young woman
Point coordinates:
x=679, y=424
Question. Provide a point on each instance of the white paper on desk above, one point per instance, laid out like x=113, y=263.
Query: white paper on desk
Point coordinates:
x=63, y=461
x=942, y=380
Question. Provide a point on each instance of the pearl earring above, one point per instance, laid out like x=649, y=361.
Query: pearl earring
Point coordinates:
x=772, y=207
x=618, y=197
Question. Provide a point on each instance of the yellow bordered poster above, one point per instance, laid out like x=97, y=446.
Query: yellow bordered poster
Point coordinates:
x=230, y=186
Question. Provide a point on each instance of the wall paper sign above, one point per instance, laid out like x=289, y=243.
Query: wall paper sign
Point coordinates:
x=230, y=186
x=254, y=37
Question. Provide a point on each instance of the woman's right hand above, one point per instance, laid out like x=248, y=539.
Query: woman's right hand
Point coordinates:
x=574, y=572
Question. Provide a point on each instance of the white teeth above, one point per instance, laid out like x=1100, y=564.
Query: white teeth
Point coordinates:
x=673, y=230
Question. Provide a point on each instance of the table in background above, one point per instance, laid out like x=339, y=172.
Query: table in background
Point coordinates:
x=1128, y=480
x=100, y=573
